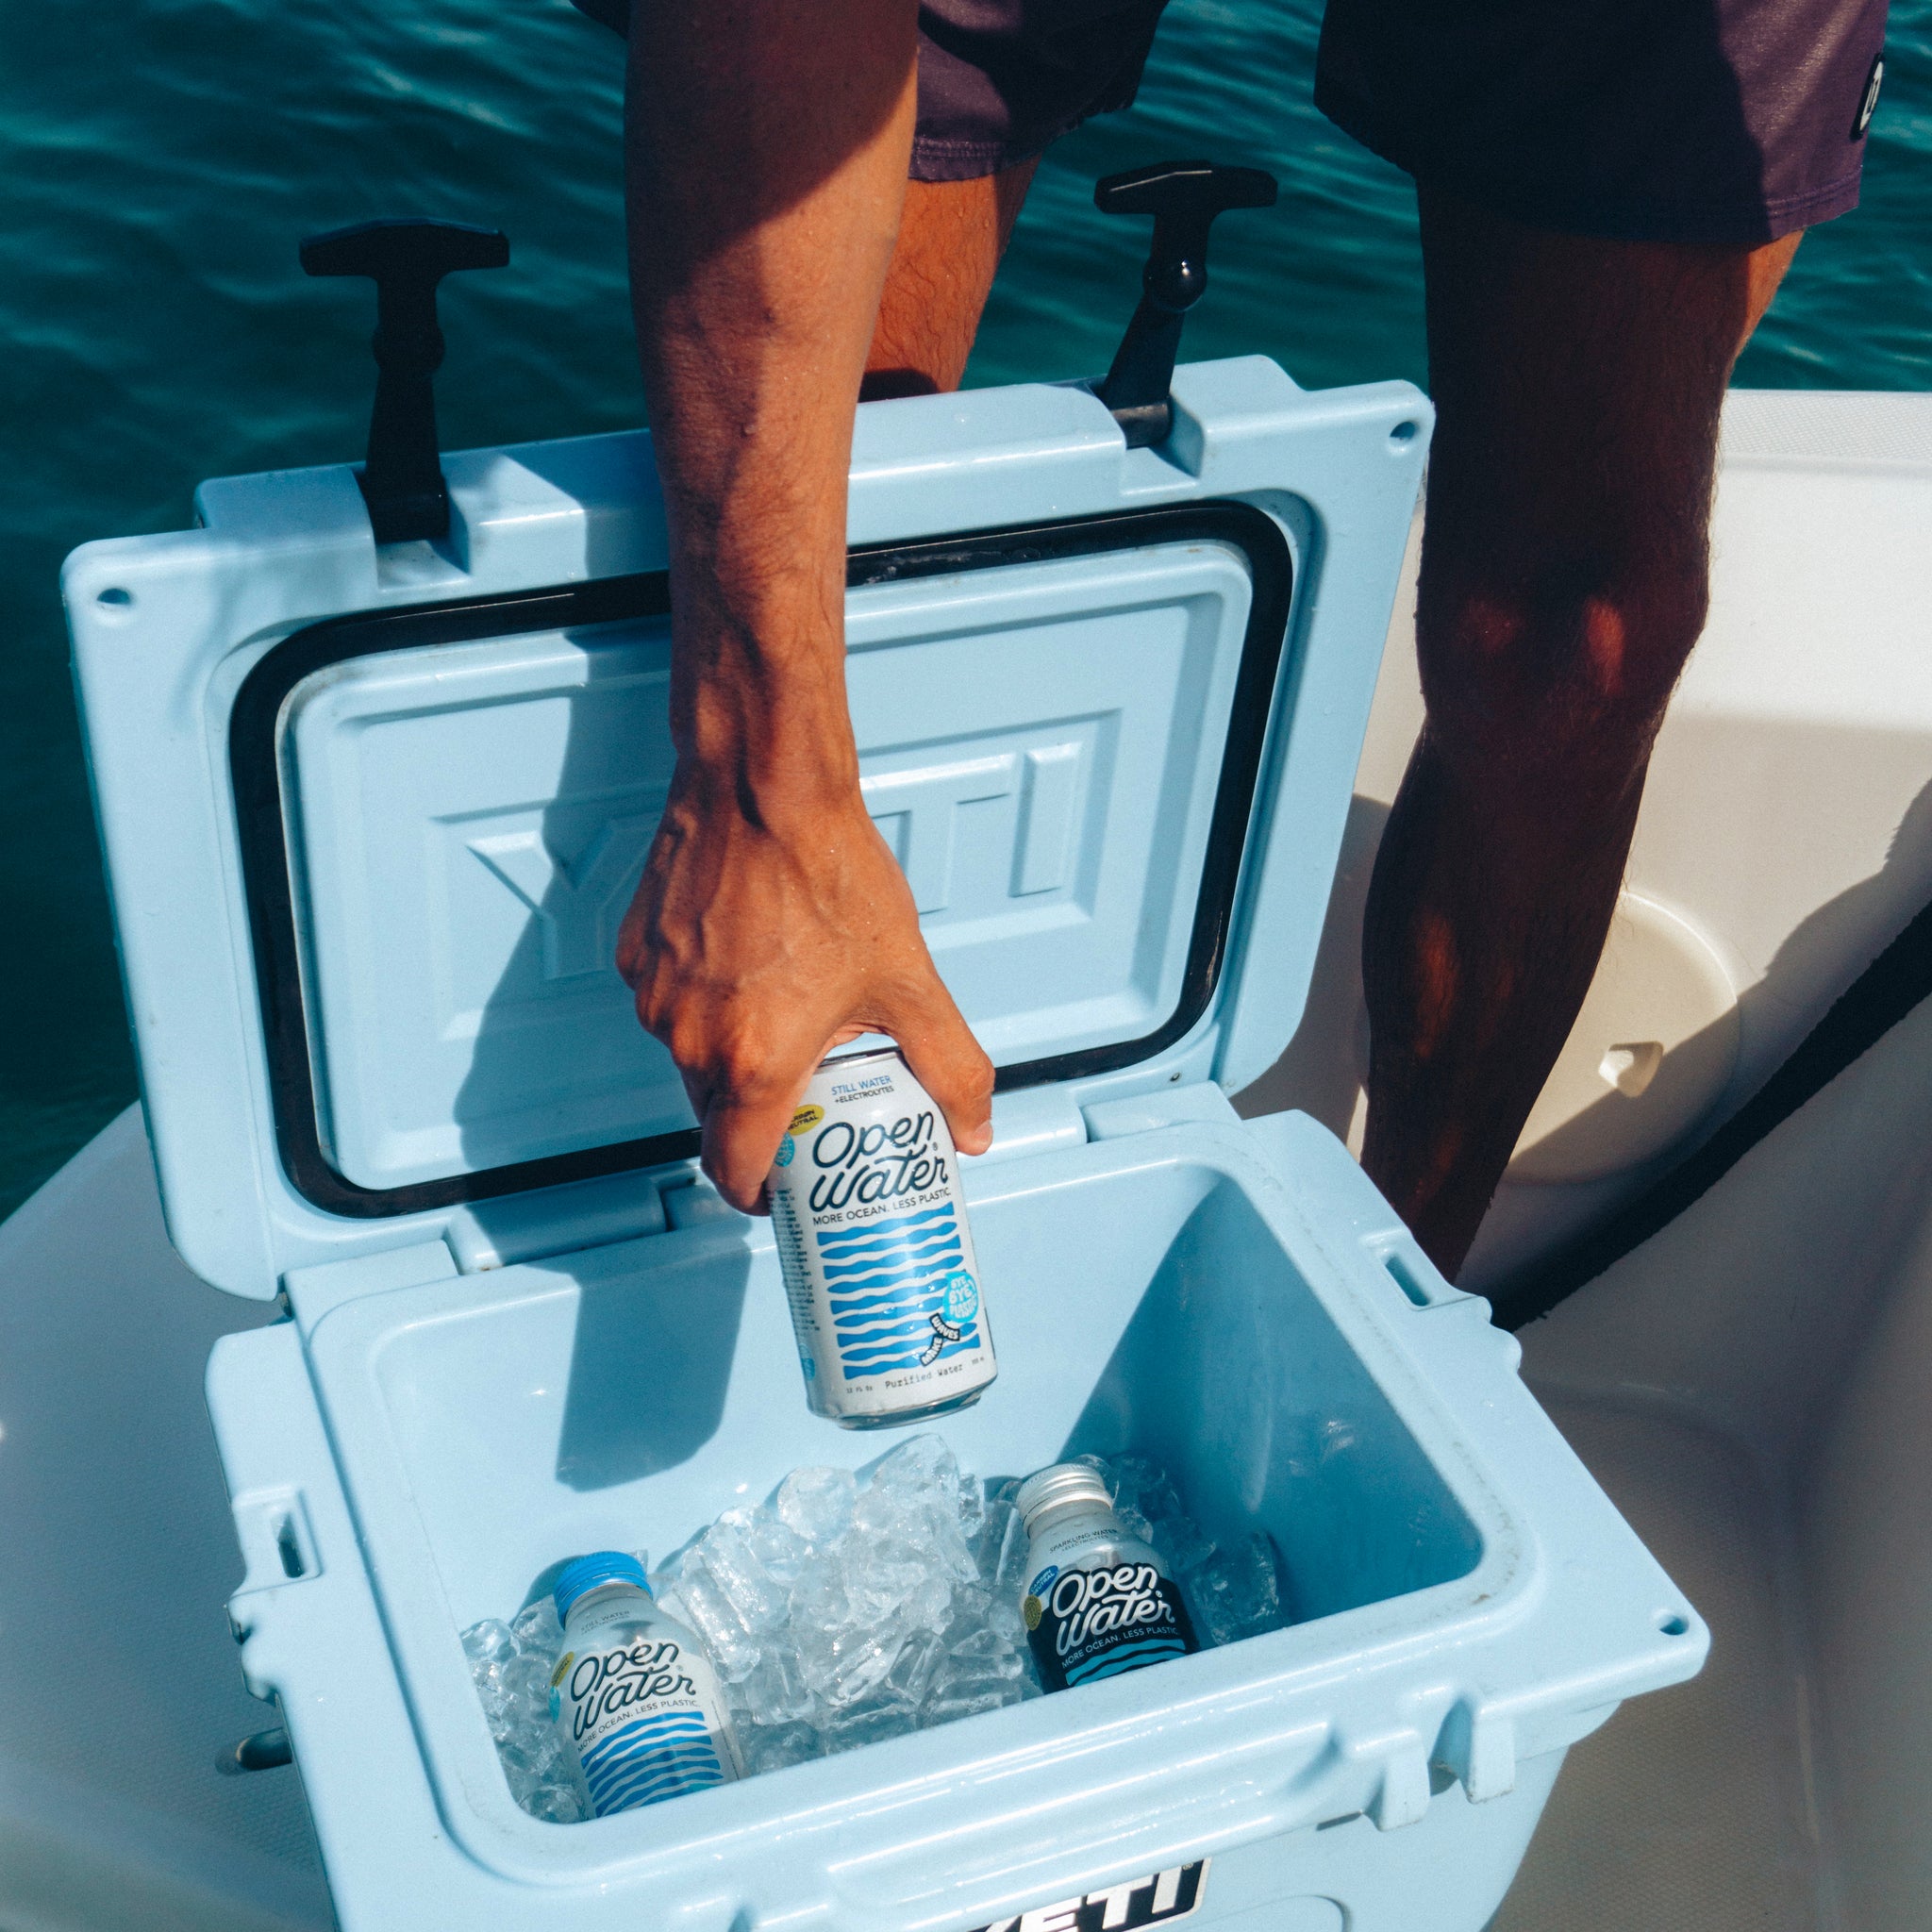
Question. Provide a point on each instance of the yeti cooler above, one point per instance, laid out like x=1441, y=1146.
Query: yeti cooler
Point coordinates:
x=371, y=813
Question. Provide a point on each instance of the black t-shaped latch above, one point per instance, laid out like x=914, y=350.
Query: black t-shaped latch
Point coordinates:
x=401, y=481
x=1183, y=197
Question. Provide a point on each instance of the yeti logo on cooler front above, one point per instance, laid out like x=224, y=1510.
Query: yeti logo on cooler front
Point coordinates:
x=1157, y=1899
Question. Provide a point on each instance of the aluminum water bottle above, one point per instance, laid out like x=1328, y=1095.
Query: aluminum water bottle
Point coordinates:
x=640, y=1707
x=1100, y=1601
x=878, y=1261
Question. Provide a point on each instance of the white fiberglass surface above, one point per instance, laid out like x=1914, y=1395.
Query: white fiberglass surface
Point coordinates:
x=626, y=1398
x=1040, y=744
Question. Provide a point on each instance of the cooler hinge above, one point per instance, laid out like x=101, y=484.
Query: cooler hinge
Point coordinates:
x=1164, y=1107
x=558, y=1221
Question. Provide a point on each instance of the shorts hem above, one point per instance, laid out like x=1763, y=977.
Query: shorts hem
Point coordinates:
x=1612, y=218
x=938, y=158
x=935, y=159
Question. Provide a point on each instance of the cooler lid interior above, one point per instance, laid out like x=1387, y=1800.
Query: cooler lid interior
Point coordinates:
x=444, y=812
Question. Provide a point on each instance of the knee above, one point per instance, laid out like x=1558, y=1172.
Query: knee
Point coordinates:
x=1559, y=673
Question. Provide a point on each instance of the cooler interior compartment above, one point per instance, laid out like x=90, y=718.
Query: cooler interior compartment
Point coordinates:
x=626, y=1396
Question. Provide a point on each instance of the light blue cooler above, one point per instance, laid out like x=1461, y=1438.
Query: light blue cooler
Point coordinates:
x=371, y=815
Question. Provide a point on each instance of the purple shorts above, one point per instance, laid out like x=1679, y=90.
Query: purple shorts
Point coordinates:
x=1695, y=121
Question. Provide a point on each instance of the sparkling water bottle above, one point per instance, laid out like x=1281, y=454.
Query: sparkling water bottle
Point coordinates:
x=1100, y=1601
x=878, y=1262
x=638, y=1706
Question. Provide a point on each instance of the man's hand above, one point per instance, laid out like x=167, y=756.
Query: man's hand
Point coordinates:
x=767, y=146
x=758, y=941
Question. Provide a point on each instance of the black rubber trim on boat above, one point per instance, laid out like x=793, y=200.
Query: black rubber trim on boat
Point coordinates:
x=262, y=819
x=1889, y=988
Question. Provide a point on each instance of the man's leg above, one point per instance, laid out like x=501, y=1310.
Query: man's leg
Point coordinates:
x=951, y=236
x=1564, y=579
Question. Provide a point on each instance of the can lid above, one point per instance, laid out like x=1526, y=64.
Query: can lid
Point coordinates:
x=1064, y=1482
x=582, y=1574
x=846, y=1056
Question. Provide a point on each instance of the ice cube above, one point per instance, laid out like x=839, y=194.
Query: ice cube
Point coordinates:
x=971, y=1510
x=526, y=1685
x=772, y=1747
x=921, y=1467
x=855, y=1662
x=816, y=1503
x=959, y=1704
x=775, y=1692
x=556, y=1804
x=1237, y=1594
x=489, y=1643
x=912, y=1672
x=990, y=1538
x=784, y=1553
x=1143, y=1486
x=536, y=1628
x=1009, y=1568
x=760, y=1599
x=889, y=1516
x=1181, y=1543
x=869, y=1723
x=698, y=1599
x=951, y=1551
x=986, y=1651
x=880, y=1574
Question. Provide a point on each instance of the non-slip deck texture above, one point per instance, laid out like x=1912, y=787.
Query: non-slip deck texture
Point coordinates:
x=1689, y=1811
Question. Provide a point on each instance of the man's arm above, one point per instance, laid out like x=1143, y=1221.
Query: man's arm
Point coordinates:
x=767, y=145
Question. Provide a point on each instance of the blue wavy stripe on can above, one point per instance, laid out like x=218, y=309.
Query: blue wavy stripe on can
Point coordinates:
x=891, y=1291
x=665, y=1725
x=697, y=1759
x=655, y=1791
x=868, y=1254
x=650, y=1766
x=886, y=1268
x=903, y=1228
x=850, y=1237
x=1130, y=1656
x=618, y=1765
x=652, y=1774
x=622, y=1774
x=881, y=1334
x=653, y=1724
x=894, y=1254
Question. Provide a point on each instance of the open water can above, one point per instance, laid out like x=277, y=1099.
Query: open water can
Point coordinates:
x=370, y=815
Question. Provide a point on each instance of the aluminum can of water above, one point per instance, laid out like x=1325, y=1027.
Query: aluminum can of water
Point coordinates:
x=1098, y=1601
x=878, y=1256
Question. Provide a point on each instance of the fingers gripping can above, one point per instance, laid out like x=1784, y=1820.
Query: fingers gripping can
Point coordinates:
x=878, y=1261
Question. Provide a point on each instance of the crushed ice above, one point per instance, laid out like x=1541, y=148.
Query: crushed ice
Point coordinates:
x=837, y=1613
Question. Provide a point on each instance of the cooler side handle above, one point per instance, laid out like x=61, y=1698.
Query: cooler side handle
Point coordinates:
x=313, y=1641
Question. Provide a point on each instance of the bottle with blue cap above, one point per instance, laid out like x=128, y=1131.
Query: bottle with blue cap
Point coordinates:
x=638, y=1705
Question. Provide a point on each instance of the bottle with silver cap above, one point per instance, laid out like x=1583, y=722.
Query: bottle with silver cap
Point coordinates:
x=879, y=1270
x=1100, y=1601
x=638, y=1705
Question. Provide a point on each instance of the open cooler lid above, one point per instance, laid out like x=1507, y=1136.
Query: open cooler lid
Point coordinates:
x=371, y=813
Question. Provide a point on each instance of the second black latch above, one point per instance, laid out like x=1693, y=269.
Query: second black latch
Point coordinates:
x=401, y=481
x=1183, y=197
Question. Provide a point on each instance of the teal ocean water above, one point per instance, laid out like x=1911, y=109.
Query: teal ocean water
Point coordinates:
x=163, y=160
